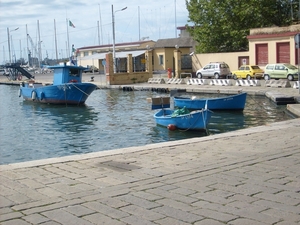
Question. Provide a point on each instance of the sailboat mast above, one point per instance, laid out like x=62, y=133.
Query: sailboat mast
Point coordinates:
x=55, y=42
x=101, y=33
x=39, y=46
x=139, y=23
x=28, y=51
x=68, y=47
x=175, y=20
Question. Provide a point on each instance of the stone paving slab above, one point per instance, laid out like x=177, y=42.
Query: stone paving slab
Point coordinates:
x=249, y=176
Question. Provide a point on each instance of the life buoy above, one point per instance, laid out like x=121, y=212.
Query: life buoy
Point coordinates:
x=20, y=92
x=73, y=81
x=42, y=96
x=33, y=95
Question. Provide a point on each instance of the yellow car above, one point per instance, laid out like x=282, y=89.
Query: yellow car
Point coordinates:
x=248, y=72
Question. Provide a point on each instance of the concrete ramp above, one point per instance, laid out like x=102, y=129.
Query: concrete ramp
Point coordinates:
x=247, y=83
x=156, y=81
x=280, y=99
x=195, y=81
x=278, y=83
x=220, y=82
x=176, y=81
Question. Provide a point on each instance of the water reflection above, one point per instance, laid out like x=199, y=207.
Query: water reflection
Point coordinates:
x=74, y=119
x=224, y=121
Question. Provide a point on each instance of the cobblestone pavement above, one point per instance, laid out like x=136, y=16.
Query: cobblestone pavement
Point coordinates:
x=250, y=176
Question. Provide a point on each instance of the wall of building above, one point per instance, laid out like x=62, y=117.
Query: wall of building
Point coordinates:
x=231, y=58
x=274, y=37
x=270, y=36
x=129, y=77
x=88, y=51
x=168, y=54
x=272, y=48
x=156, y=53
x=90, y=62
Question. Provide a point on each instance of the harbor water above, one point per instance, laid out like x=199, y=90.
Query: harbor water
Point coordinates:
x=110, y=119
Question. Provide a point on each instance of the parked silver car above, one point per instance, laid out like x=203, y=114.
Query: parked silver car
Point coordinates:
x=214, y=70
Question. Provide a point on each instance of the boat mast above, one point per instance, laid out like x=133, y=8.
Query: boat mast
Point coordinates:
x=39, y=46
x=28, y=51
x=139, y=23
x=68, y=41
x=55, y=42
x=101, y=33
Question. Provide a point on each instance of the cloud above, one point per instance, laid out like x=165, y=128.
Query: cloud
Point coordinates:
x=155, y=19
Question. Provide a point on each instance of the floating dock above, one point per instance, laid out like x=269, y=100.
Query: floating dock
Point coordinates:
x=280, y=98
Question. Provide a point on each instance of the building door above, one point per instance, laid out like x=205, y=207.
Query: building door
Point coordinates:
x=261, y=52
x=283, y=52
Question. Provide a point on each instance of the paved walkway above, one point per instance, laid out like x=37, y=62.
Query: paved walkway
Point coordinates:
x=250, y=176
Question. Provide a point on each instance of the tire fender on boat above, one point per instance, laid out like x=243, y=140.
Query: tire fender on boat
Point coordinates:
x=33, y=95
x=42, y=96
x=20, y=92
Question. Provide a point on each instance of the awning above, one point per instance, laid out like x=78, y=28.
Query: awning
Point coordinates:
x=118, y=55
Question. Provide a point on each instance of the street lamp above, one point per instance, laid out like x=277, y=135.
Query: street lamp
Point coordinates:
x=114, y=38
x=8, y=37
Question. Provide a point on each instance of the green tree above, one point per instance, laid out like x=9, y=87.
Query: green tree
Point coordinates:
x=223, y=25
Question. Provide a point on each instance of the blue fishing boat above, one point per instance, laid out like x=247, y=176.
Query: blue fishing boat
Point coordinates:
x=67, y=87
x=181, y=118
x=232, y=102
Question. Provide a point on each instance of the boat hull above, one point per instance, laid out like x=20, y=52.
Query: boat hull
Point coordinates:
x=196, y=120
x=233, y=102
x=68, y=93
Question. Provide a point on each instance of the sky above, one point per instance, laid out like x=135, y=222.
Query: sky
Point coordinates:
x=151, y=20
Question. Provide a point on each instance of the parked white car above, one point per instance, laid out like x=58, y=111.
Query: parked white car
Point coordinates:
x=214, y=70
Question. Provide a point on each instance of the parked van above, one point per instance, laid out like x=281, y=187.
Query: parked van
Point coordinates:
x=281, y=71
x=214, y=70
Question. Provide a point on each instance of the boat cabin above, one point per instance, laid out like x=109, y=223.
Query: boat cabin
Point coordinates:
x=67, y=74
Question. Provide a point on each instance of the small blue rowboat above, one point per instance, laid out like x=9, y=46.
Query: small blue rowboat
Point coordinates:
x=195, y=120
x=232, y=102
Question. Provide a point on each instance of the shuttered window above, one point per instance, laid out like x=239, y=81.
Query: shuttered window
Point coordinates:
x=283, y=52
x=261, y=51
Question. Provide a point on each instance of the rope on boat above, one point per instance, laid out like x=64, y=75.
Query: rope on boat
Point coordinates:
x=203, y=118
x=113, y=99
x=256, y=105
x=192, y=124
x=80, y=89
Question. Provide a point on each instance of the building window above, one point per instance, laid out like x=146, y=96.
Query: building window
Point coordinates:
x=85, y=53
x=94, y=52
x=161, y=60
